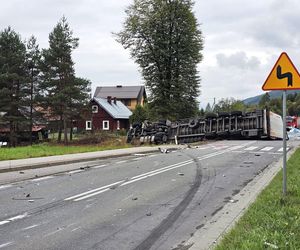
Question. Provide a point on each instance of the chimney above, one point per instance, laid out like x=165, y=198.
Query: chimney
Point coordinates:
x=115, y=100
x=109, y=99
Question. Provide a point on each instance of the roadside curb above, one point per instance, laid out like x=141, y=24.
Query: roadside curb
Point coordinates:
x=48, y=161
x=213, y=231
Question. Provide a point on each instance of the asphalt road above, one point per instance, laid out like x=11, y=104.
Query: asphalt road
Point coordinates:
x=151, y=201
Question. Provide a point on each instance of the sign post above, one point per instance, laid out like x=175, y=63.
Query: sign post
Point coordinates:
x=284, y=76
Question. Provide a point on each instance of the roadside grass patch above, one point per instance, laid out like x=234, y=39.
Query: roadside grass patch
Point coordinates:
x=272, y=221
x=50, y=149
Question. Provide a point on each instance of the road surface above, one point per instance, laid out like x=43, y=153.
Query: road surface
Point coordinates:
x=145, y=201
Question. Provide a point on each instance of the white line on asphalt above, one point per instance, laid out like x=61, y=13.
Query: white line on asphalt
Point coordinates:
x=43, y=178
x=93, y=190
x=100, y=166
x=149, y=156
x=237, y=151
x=250, y=148
x=137, y=159
x=75, y=171
x=6, y=244
x=92, y=194
x=281, y=149
x=266, y=148
x=75, y=229
x=139, y=154
x=274, y=153
x=257, y=152
x=30, y=227
x=5, y=186
x=103, y=189
x=18, y=217
x=120, y=162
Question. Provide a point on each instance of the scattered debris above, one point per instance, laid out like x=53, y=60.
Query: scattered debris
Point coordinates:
x=36, y=176
x=271, y=245
x=82, y=168
x=149, y=214
x=134, y=199
x=257, y=154
x=164, y=150
x=31, y=201
x=21, y=172
x=181, y=174
x=224, y=175
x=28, y=195
x=248, y=162
x=233, y=201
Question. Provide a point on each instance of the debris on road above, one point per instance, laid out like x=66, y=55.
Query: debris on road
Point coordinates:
x=248, y=162
x=21, y=172
x=149, y=214
x=28, y=195
x=181, y=174
x=134, y=199
x=164, y=150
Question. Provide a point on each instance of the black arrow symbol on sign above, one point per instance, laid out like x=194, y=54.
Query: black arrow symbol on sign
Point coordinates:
x=287, y=75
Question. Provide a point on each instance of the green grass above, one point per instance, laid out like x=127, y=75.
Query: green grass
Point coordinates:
x=40, y=150
x=271, y=219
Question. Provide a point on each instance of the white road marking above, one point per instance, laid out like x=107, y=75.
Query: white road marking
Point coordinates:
x=100, y=166
x=120, y=162
x=149, y=156
x=75, y=171
x=5, y=186
x=203, y=148
x=93, y=190
x=92, y=194
x=274, y=153
x=257, y=152
x=139, y=154
x=54, y=232
x=237, y=151
x=137, y=159
x=30, y=227
x=136, y=178
x=42, y=178
x=75, y=229
x=281, y=149
x=18, y=217
x=6, y=244
x=250, y=148
x=266, y=148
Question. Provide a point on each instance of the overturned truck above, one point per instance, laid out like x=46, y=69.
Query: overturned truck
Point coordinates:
x=258, y=124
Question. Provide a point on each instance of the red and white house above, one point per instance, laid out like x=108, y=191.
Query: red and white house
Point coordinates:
x=108, y=114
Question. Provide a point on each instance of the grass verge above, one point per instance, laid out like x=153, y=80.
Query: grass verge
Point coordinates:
x=271, y=222
x=49, y=149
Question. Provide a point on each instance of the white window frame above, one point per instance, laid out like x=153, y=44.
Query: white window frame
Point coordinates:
x=118, y=124
x=86, y=125
x=103, y=125
x=94, y=109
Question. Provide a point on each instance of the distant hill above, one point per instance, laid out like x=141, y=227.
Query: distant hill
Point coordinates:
x=273, y=95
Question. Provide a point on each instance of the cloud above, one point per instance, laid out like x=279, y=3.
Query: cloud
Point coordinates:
x=238, y=60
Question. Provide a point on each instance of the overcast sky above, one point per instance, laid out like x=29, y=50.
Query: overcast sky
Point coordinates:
x=243, y=40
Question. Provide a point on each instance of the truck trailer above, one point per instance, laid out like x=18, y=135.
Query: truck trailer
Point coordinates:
x=258, y=124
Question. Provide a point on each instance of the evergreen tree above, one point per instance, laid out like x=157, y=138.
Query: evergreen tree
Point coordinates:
x=33, y=58
x=164, y=39
x=138, y=115
x=208, y=108
x=12, y=81
x=264, y=101
x=59, y=74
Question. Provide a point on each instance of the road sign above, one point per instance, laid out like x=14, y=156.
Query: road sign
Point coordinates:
x=284, y=75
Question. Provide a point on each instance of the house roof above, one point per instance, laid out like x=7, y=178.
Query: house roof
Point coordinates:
x=117, y=111
x=120, y=92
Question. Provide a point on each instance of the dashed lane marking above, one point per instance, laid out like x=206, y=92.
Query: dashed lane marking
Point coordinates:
x=251, y=148
x=6, y=244
x=42, y=178
x=267, y=148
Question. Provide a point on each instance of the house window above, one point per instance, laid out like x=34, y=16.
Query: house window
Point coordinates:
x=88, y=125
x=95, y=109
x=118, y=125
x=105, y=125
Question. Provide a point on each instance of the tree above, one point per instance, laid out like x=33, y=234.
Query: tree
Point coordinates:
x=33, y=58
x=264, y=101
x=138, y=115
x=229, y=104
x=59, y=74
x=165, y=41
x=208, y=108
x=12, y=81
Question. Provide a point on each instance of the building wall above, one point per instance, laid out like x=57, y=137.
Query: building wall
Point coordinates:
x=98, y=118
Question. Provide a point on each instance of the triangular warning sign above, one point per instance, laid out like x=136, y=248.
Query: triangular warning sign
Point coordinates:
x=283, y=76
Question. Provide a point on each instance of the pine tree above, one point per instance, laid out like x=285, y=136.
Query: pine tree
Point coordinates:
x=164, y=39
x=12, y=81
x=33, y=58
x=59, y=74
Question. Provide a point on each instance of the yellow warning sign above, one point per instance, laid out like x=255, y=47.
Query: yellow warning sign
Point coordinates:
x=283, y=76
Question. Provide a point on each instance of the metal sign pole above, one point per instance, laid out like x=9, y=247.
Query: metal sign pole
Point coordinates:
x=284, y=142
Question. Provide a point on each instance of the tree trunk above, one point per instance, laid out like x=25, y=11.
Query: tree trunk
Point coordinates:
x=11, y=134
x=65, y=131
x=71, y=131
x=60, y=129
x=31, y=108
